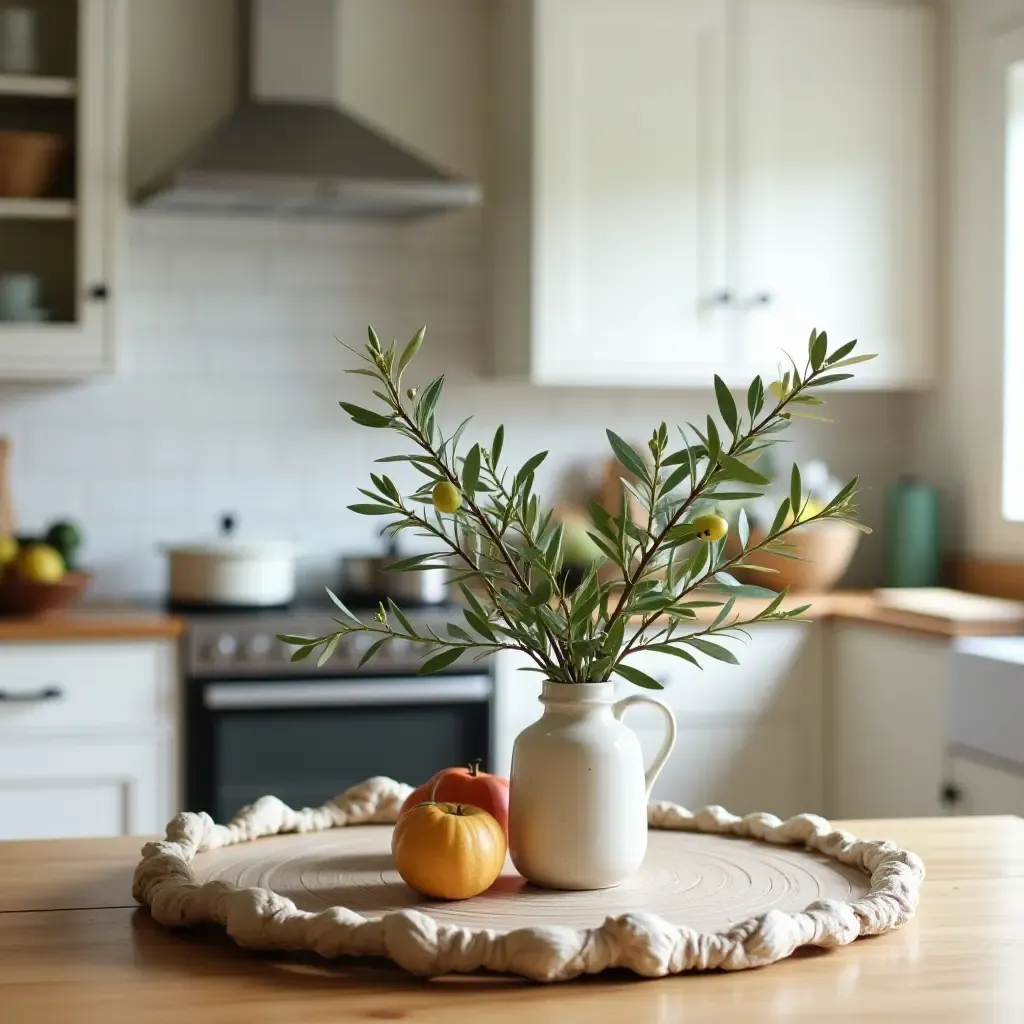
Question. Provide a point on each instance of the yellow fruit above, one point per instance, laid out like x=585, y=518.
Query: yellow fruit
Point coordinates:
x=449, y=851
x=8, y=550
x=711, y=527
x=41, y=564
x=811, y=508
x=446, y=496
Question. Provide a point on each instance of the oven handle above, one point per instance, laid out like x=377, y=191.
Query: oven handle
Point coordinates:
x=255, y=696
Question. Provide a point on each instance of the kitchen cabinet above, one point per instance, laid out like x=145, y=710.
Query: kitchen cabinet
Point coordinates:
x=680, y=187
x=835, y=192
x=605, y=268
x=70, y=788
x=750, y=736
x=66, y=240
x=87, y=739
x=984, y=786
x=888, y=694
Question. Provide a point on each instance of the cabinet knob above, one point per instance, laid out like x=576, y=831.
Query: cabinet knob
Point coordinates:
x=758, y=301
x=950, y=794
x=722, y=298
x=99, y=291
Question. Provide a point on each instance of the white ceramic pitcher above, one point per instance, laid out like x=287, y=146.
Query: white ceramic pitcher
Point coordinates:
x=578, y=800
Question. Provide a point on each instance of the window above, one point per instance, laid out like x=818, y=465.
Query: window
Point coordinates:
x=1013, y=399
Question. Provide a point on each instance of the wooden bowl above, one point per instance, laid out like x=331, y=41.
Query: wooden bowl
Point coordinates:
x=827, y=548
x=20, y=597
x=28, y=163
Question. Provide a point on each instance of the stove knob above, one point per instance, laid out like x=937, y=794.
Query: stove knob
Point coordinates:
x=399, y=648
x=259, y=647
x=359, y=643
x=224, y=648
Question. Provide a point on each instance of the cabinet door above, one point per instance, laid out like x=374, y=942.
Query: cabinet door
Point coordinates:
x=64, y=239
x=985, y=789
x=889, y=707
x=57, y=789
x=835, y=182
x=742, y=766
x=628, y=191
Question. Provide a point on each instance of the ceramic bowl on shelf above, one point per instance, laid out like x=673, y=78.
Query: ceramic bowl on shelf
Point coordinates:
x=826, y=549
x=22, y=598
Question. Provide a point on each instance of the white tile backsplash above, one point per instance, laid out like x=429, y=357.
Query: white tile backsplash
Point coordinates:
x=229, y=398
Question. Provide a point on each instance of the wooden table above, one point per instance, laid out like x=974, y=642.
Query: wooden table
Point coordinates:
x=75, y=950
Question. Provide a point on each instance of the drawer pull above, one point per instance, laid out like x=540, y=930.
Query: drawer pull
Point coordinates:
x=32, y=696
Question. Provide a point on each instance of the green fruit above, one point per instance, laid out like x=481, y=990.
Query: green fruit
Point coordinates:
x=446, y=496
x=41, y=564
x=578, y=547
x=711, y=527
x=66, y=538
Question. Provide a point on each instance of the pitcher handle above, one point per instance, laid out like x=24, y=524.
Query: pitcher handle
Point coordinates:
x=620, y=707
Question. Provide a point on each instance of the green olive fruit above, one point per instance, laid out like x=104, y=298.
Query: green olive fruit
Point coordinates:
x=446, y=496
x=711, y=527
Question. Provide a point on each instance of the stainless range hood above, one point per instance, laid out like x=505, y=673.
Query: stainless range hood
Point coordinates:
x=290, y=149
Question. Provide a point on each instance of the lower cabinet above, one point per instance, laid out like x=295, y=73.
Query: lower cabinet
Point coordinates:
x=58, y=789
x=750, y=735
x=888, y=693
x=976, y=787
x=87, y=739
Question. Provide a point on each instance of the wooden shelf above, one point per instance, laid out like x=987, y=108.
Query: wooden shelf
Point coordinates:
x=37, y=85
x=37, y=209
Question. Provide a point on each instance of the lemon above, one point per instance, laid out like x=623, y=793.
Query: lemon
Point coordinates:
x=812, y=507
x=446, y=496
x=41, y=564
x=711, y=527
x=8, y=550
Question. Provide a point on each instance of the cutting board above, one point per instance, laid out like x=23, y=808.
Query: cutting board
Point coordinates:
x=6, y=505
x=951, y=605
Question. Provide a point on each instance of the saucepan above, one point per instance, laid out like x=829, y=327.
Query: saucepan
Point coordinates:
x=366, y=581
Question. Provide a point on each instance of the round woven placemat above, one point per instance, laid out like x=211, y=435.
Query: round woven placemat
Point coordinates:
x=715, y=891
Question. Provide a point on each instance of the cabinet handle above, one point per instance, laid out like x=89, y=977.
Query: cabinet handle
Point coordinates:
x=99, y=291
x=758, y=301
x=32, y=696
x=722, y=298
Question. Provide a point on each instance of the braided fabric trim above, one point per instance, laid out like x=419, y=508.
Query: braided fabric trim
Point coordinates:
x=642, y=942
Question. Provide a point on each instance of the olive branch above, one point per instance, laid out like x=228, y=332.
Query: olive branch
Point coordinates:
x=505, y=550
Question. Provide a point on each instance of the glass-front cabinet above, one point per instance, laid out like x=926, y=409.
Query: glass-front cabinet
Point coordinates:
x=60, y=185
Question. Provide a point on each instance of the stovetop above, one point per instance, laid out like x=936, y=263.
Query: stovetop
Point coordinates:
x=232, y=643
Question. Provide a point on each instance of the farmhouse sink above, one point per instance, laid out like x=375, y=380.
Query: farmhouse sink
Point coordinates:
x=987, y=705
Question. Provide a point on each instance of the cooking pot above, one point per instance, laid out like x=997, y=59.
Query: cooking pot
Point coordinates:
x=366, y=581
x=230, y=572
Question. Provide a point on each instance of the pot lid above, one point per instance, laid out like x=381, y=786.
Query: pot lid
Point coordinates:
x=231, y=548
x=228, y=545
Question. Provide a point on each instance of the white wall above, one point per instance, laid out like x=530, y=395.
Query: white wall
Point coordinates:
x=231, y=402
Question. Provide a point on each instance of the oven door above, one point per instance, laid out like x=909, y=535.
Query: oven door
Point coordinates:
x=306, y=741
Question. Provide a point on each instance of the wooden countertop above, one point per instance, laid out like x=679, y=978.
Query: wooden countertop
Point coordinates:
x=74, y=947
x=111, y=622
x=128, y=622
x=864, y=606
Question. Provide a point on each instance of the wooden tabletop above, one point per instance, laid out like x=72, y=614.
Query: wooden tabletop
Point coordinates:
x=73, y=948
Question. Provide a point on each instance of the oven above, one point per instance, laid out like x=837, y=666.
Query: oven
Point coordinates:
x=257, y=725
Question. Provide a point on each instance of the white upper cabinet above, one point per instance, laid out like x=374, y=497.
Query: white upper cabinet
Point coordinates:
x=58, y=237
x=834, y=195
x=684, y=186
x=627, y=95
